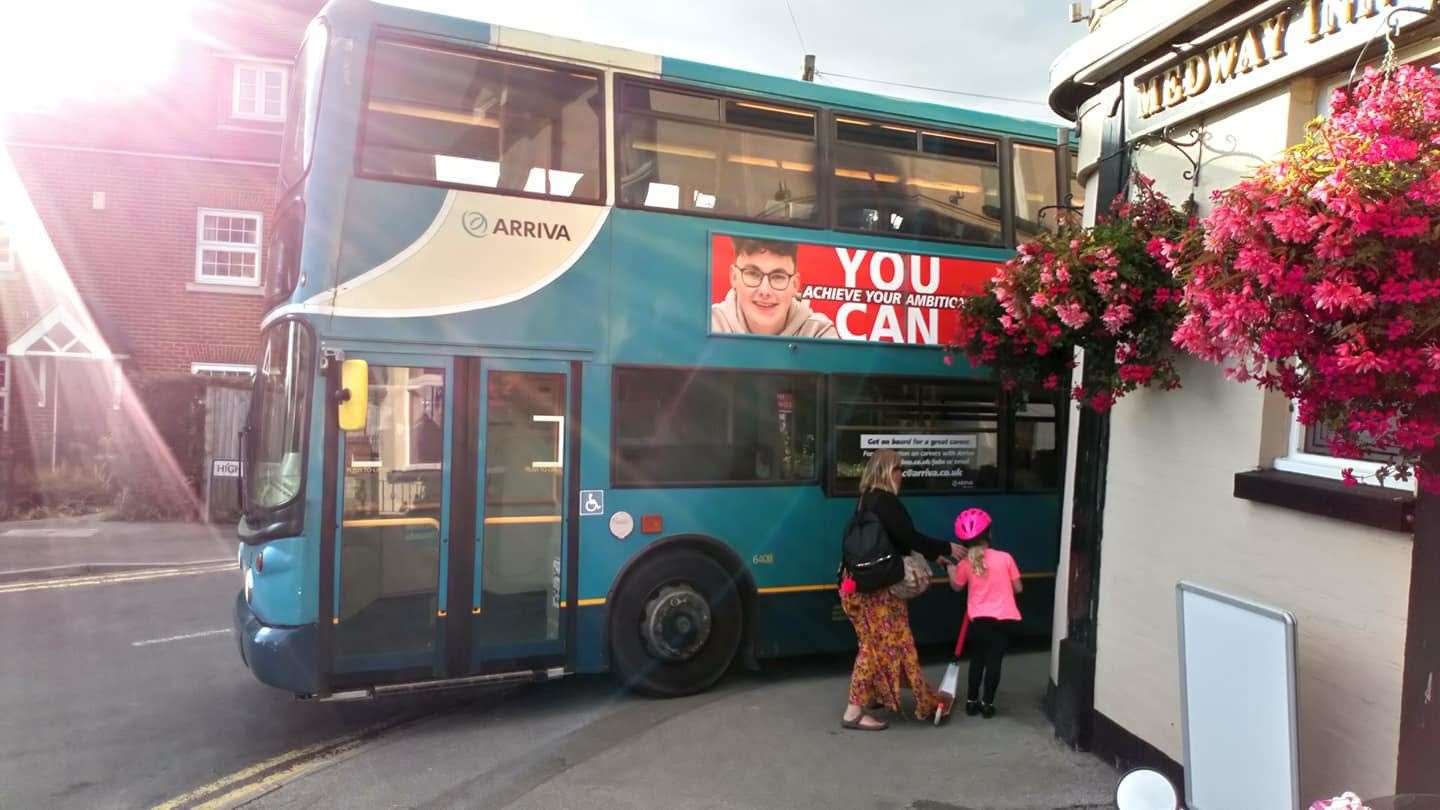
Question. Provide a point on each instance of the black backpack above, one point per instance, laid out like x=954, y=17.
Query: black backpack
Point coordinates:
x=868, y=555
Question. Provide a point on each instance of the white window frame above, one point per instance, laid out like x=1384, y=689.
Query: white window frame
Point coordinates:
x=1296, y=460
x=5, y=394
x=221, y=369
x=201, y=245
x=261, y=68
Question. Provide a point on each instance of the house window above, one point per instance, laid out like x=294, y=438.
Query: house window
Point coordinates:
x=4, y=394
x=1309, y=454
x=236, y=371
x=227, y=247
x=258, y=92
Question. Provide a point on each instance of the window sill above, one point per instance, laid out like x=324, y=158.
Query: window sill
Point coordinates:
x=275, y=128
x=223, y=289
x=1390, y=509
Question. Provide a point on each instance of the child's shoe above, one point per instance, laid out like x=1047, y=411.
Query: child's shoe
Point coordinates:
x=972, y=708
x=988, y=710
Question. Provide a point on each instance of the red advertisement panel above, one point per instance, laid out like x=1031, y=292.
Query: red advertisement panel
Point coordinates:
x=795, y=289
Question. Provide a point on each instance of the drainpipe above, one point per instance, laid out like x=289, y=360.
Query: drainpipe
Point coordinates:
x=1074, y=706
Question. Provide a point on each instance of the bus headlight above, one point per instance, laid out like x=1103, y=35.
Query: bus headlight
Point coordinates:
x=249, y=584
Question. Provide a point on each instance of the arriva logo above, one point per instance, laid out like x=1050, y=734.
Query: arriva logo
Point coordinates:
x=478, y=226
x=475, y=224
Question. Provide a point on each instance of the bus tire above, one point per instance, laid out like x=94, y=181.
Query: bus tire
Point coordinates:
x=675, y=624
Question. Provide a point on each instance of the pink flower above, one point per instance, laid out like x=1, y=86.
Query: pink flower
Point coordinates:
x=1290, y=224
x=1392, y=148
x=1072, y=315
x=1337, y=296
x=1137, y=373
x=1116, y=316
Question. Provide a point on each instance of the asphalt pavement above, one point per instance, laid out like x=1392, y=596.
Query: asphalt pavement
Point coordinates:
x=124, y=689
x=89, y=545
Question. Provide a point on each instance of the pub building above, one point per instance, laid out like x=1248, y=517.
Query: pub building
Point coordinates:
x=1218, y=483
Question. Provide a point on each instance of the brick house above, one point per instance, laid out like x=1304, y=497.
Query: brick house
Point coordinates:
x=132, y=235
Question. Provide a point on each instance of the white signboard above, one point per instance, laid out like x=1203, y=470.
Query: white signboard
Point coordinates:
x=1237, y=703
x=224, y=468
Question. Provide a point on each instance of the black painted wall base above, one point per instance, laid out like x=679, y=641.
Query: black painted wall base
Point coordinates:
x=1073, y=706
x=1125, y=751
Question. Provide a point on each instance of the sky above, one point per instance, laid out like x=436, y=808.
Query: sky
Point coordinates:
x=1000, y=48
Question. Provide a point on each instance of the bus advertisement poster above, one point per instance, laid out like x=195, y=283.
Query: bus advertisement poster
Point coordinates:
x=796, y=289
x=927, y=455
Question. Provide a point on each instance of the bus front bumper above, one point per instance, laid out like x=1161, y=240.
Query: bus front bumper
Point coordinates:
x=282, y=657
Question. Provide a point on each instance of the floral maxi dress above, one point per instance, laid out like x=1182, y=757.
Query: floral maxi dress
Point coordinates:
x=887, y=660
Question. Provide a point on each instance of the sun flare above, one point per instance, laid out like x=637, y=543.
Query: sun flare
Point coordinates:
x=52, y=53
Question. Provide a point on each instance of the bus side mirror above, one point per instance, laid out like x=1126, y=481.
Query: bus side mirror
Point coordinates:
x=352, y=398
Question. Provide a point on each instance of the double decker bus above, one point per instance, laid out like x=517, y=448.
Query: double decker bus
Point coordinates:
x=574, y=355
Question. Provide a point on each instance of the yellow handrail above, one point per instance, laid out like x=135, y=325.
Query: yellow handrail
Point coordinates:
x=520, y=519
x=370, y=523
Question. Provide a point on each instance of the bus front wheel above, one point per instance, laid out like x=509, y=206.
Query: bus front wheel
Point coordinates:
x=675, y=624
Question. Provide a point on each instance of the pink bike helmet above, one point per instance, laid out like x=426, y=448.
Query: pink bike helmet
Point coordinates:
x=971, y=523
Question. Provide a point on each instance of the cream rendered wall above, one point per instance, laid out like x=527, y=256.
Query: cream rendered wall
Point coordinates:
x=1170, y=515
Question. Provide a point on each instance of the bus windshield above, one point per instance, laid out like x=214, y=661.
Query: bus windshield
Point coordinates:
x=282, y=391
x=299, y=139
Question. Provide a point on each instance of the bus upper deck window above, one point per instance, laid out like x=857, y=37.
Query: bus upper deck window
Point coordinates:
x=1036, y=191
x=907, y=180
x=746, y=159
x=461, y=118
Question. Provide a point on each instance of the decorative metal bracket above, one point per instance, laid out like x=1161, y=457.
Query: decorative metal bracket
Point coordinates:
x=1061, y=209
x=1199, y=139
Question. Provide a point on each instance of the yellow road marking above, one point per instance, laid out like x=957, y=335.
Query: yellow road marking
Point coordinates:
x=110, y=579
x=238, y=787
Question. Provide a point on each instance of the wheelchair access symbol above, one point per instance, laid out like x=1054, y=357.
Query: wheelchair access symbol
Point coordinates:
x=592, y=502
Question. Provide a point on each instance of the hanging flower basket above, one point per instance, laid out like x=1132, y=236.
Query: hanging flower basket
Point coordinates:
x=1103, y=290
x=1320, y=275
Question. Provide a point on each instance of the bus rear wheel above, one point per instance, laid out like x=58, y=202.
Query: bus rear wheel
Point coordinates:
x=675, y=624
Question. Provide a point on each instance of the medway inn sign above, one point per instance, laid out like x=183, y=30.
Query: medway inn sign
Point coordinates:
x=1255, y=50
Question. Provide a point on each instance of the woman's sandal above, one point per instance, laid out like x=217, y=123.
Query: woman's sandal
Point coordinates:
x=858, y=724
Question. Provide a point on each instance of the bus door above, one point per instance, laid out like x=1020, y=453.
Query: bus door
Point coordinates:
x=391, y=539
x=521, y=553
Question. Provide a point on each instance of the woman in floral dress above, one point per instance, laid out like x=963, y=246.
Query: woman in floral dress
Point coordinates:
x=887, y=660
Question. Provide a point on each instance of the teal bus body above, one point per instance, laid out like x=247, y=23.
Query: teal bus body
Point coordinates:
x=630, y=299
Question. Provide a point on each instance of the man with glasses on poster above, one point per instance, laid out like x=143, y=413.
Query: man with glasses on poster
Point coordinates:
x=764, y=296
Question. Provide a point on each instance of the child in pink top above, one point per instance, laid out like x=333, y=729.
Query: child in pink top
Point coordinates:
x=993, y=580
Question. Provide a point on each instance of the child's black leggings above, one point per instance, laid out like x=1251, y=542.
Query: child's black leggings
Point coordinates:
x=989, y=638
